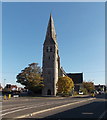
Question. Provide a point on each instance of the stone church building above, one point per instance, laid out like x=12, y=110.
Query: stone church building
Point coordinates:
x=51, y=64
x=51, y=61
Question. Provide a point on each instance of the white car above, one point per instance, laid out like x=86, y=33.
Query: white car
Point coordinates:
x=16, y=95
x=81, y=93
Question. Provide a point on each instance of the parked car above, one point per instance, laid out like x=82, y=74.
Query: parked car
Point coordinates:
x=96, y=92
x=16, y=95
x=102, y=92
x=81, y=92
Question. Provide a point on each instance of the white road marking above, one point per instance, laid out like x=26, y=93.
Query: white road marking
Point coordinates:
x=29, y=106
x=102, y=115
x=12, y=108
x=61, y=106
x=87, y=113
x=17, y=110
x=22, y=109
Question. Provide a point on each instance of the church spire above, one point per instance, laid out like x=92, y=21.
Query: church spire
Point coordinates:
x=51, y=33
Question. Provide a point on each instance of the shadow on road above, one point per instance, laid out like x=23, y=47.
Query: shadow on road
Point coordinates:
x=91, y=111
x=102, y=96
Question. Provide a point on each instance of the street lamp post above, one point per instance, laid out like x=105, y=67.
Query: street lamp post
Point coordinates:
x=4, y=82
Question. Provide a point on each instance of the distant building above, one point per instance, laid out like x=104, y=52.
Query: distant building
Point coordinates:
x=101, y=87
x=11, y=87
x=14, y=88
x=21, y=89
x=77, y=79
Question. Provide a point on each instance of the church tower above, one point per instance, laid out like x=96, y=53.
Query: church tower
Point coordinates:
x=50, y=60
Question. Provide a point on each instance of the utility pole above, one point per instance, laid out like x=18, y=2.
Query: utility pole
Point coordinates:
x=4, y=82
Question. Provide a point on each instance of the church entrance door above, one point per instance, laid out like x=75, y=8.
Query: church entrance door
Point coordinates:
x=49, y=92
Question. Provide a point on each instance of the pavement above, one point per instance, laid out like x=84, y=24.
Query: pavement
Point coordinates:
x=55, y=108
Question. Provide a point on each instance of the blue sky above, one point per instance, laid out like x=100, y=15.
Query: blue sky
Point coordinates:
x=80, y=29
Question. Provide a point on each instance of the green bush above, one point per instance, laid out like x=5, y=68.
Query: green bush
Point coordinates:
x=84, y=90
x=75, y=93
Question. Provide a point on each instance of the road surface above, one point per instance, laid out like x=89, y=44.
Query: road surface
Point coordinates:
x=56, y=108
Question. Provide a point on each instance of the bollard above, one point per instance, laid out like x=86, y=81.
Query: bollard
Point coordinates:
x=93, y=95
x=9, y=96
x=5, y=97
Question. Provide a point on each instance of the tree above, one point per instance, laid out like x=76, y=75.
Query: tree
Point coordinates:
x=65, y=85
x=89, y=86
x=31, y=78
x=84, y=90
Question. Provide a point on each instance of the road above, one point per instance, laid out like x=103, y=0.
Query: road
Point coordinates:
x=56, y=107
